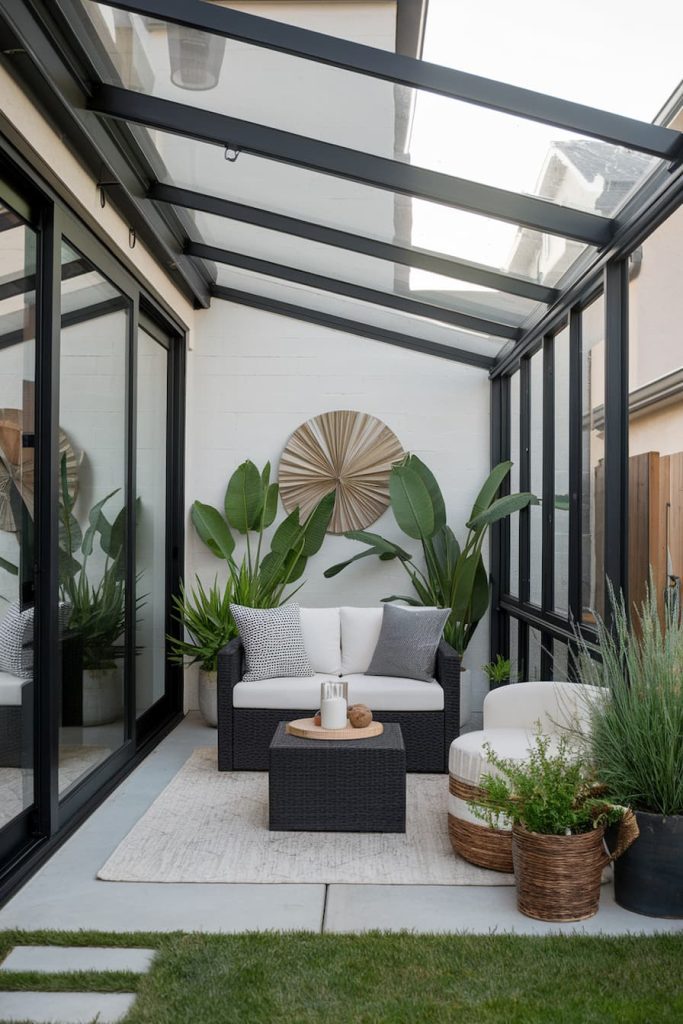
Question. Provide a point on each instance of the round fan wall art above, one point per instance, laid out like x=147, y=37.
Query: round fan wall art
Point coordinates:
x=350, y=452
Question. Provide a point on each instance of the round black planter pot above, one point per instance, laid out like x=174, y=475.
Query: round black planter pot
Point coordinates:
x=648, y=878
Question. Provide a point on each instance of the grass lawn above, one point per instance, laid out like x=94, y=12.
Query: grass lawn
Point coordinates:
x=274, y=978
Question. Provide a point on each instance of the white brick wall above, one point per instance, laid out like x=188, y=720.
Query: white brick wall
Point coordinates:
x=253, y=377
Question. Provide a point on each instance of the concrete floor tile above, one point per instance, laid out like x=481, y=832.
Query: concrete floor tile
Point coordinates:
x=57, y=959
x=473, y=909
x=65, y=1007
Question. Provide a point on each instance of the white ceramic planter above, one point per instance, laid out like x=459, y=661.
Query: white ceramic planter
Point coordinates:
x=208, y=696
x=102, y=695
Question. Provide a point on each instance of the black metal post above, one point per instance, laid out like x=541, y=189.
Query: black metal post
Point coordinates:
x=616, y=426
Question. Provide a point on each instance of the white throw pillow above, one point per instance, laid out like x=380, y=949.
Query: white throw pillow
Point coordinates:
x=322, y=639
x=360, y=629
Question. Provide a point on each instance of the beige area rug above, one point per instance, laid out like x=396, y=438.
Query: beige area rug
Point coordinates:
x=210, y=826
x=16, y=784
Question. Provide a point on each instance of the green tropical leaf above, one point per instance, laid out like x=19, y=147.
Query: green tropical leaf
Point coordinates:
x=317, y=523
x=490, y=488
x=381, y=543
x=479, y=601
x=411, y=502
x=429, y=480
x=270, y=505
x=463, y=584
x=244, y=498
x=213, y=530
x=94, y=517
x=412, y=601
x=288, y=534
x=9, y=567
x=501, y=508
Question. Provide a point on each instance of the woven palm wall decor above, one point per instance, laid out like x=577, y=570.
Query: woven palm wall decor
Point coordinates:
x=350, y=452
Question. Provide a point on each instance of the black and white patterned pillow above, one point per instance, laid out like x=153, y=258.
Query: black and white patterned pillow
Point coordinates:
x=16, y=642
x=273, y=642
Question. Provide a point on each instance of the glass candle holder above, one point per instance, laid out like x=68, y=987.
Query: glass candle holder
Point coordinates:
x=334, y=696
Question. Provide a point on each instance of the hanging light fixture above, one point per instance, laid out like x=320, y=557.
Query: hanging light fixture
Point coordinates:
x=196, y=57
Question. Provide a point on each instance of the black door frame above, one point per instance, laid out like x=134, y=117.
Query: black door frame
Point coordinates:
x=24, y=847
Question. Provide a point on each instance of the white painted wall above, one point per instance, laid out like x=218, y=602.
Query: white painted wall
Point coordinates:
x=254, y=377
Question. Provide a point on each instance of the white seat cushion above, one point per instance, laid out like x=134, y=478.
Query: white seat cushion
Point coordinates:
x=322, y=638
x=10, y=690
x=360, y=629
x=380, y=693
x=558, y=706
x=390, y=693
x=284, y=692
x=467, y=757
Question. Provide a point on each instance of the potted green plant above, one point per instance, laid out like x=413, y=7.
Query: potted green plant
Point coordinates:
x=636, y=743
x=558, y=817
x=453, y=577
x=498, y=672
x=206, y=619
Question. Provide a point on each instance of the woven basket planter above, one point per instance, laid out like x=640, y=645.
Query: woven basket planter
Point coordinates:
x=558, y=877
x=486, y=847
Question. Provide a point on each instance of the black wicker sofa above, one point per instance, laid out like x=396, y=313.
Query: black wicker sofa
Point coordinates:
x=245, y=732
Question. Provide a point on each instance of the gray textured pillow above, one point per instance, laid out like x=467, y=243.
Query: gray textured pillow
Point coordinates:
x=16, y=642
x=408, y=642
x=273, y=642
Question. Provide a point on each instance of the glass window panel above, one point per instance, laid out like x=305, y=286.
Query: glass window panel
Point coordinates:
x=356, y=268
x=152, y=392
x=536, y=478
x=529, y=49
x=535, y=652
x=367, y=313
x=92, y=418
x=514, y=650
x=317, y=100
x=561, y=518
x=361, y=209
x=514, y=481
x=656, y=411
x=560, y=661
x=592, y=455
x=18, y=262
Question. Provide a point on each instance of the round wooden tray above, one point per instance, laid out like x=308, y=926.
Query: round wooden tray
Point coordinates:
x=306, y=728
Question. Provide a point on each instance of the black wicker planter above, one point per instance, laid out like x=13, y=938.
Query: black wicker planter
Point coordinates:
x=648, y=878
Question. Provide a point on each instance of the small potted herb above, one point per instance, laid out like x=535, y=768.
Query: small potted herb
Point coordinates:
x=558, y=817
x=498, y=671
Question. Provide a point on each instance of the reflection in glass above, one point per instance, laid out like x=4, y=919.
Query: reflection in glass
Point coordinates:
x=150, y=672
x=17, y=488
x=561, y=491
x=560, y=661
x=592, y=459
x=514, y=482
x=536, y=478
x=92, y=538
x=514, y=650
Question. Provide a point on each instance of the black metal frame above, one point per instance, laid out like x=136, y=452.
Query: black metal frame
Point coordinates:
x=28, y=839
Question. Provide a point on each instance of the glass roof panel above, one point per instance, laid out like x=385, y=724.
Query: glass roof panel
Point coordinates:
x=358, y=269
x=591, y=53
x=361, y=209
x=323, y=102
x=373, y=316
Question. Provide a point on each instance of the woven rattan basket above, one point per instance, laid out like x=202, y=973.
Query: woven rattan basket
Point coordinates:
x=558, y=877
x=477, y=843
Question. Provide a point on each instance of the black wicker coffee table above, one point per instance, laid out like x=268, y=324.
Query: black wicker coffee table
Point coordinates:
x=338, y=785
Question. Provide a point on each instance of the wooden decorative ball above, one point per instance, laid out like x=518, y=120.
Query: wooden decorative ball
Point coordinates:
x=360, y=716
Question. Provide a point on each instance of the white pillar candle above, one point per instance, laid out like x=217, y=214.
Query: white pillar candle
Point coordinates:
x=333, y=713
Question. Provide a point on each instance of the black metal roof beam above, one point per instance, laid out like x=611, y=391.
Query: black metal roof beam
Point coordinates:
x=352, y=291
x=9, y=220
x=422, y=259
x=355, y=327
x=394, y=67
x=380, y=172
x=21, y=285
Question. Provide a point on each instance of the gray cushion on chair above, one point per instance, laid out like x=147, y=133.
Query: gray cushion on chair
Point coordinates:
x=273, y=642
x=408, y=642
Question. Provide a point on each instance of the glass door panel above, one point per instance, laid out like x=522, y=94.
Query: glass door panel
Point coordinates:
x=93, y=422
x=151, y=472
x=17, y=480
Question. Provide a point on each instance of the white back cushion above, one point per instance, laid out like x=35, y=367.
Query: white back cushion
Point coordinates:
x=360, y=628
x=322, y=639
